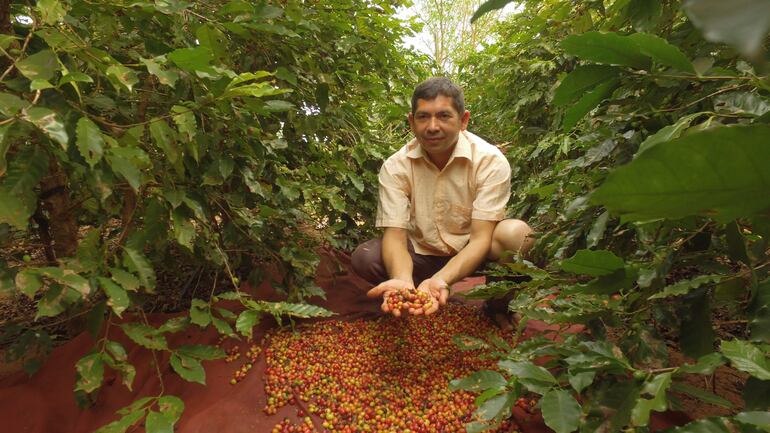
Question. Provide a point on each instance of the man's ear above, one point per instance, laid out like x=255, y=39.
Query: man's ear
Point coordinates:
x=464, y=119
x=410, y=119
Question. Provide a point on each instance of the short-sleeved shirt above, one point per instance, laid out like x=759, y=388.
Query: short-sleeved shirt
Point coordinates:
x=436, y=206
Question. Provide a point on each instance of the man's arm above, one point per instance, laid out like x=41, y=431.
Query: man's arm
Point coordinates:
x=396, y=256
x=461, y=265
x=472, y=255
x=398, y=263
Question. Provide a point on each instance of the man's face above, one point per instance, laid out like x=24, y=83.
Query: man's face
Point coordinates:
x=437, y=125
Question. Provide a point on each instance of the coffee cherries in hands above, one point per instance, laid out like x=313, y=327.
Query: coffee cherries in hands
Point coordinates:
x=406, y=299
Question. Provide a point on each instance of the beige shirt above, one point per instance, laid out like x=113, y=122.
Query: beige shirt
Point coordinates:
x=436, y=206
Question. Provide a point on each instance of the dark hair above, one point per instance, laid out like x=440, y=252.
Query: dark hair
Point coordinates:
x=432, y=87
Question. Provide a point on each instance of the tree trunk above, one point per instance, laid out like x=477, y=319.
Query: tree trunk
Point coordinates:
x=61, y=219
x=5, y=17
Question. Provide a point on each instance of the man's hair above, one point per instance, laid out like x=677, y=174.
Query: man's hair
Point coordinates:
x=431, y=88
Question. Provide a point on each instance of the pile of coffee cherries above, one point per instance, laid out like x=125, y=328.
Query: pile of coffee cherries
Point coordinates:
x=389, y=374
x=405, y=299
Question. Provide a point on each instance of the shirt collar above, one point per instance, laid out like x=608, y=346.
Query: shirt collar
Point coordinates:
x=462, y=149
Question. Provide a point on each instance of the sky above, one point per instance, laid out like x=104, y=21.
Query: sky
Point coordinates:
x=418, y=41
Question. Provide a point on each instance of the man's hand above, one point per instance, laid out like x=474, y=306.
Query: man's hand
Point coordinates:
x=438, y=290
x=384, y=289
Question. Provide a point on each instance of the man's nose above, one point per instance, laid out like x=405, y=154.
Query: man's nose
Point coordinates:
x=433, y=124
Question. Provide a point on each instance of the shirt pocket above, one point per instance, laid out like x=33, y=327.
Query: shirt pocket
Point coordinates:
x=458, y=219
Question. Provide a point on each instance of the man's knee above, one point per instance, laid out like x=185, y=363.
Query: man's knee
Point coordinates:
x=367, y=262
x=511, y=237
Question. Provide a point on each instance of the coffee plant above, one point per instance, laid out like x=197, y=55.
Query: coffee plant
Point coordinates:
x=136, y=135
x=637, y=131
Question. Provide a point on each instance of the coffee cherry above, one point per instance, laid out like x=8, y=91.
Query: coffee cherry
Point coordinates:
x=405, y=299
x=387, y=374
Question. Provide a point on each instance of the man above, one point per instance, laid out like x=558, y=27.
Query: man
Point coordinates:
x=442, y=201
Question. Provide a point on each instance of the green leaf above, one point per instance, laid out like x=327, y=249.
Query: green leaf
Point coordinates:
x=200, y=313
x=588, y=102
x=28, y=281
x=138, y=263
x=49, y=122
x=39, y=66
x=165, y=138
x=746, y=357
x=322, y=96
x=200, y=351
x=190, y=369
x=656, y=388
x=582, y=79
x=246, y=322
x=701, y=394
x=222, y=326
x=11, y=104
x=192, y=59
x=696, y=336
x=145, y=336
x=125, y=167
x=736, y=244
x=667, y=133
x=165, y=77
x=126, y=280
x=123, y=424
x=117, y=351
x=707, y=425
x=740, y=23
x=560, y=411
x=594, y=263
x=758, y=419
x=74, y=77
x=706, y=364
x=489, y=6
x=581, y=380
x=171, y=406
x=157, y=422
x=184, y=230
x=213, y=40
x=117, y=298
x=5, y=41
x=756, y=394
x=597, y=230
x=90, y=371
x=644, y=14
x=303, y=311
x=534, y=377
x=68, y=277
x=718, y=172
x=51, y=11
x=4, y=146
x=89, y=141
x=175, y=324
x=55, y=301
x=184, y=118
x=662, y=52
x=742, y=103
x=606, y=48
x=496, y=407
x=479, y=381
x=123, y=75
x=685, y=286
x=759, y=323
x=18, y=200
x=95, y=319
